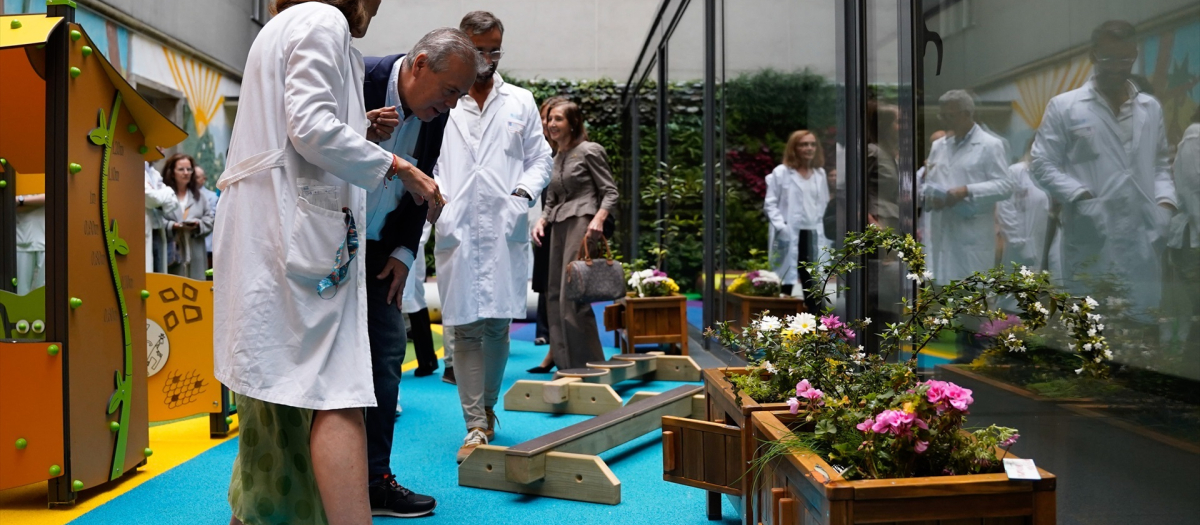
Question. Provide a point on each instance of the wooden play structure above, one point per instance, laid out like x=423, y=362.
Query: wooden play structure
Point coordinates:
x=648, y=320
x=587, y=390
x=73, y=402
x=564, y=464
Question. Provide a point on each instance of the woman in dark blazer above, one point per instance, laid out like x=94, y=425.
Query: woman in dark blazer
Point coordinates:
x=579, y=199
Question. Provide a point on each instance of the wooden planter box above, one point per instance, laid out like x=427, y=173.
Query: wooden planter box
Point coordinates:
x=741, y=309
x=648, y=320
x=803, y=489
x=714, y=454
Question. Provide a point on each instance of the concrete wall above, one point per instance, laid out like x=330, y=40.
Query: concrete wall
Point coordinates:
x=575, y=39
x=222, y=29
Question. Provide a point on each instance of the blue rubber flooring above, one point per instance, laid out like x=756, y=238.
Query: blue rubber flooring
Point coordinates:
x=427, y=436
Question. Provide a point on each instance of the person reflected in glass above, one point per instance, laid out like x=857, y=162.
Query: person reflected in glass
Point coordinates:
x=1183, y=245
x=1101, y=151
x=1023, y=220
x=966, y=176
x=190, y=223
x=581, y=195
x=797, y=194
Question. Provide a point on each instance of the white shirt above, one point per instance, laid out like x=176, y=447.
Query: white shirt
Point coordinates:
x=386, y=197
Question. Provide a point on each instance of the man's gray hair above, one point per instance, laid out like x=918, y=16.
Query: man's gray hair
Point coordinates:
x=480, y=22
x=961, y=98
x=442, y=43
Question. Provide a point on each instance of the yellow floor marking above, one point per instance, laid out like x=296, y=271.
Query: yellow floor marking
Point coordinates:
x=172, y=443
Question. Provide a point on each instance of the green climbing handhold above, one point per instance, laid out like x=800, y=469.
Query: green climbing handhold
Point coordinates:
x=228, y=420
x=87, y=51
x=16, y=24
x=132, y=128
x=14, y=281
x=55, y=470
x=142, y=150
x=52, y=350
x=38, y=326
x=147, y=452
x=3, y=161
x=76, y=35
x=22, y=326
x=208, y=272
x=21, y=443
x=114, y=426
x=74, y=168
x=76, y=302
x=3, y=183
x=75, y=72
x=145, y=294
x=77, y=485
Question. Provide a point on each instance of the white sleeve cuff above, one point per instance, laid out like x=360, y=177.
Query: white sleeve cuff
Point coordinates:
x=404, y=255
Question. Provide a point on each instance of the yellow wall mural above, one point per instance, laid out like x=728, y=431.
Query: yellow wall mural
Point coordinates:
x=199, y=84
x=1037, y=89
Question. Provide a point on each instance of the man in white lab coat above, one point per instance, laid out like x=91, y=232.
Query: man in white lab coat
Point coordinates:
x=493, y=166
x=1101, y=151
x=966, y=175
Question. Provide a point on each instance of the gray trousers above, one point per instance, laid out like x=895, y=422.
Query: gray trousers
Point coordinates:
x=574, y=336
x=480, y=355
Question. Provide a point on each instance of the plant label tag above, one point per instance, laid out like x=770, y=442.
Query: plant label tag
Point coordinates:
x=1021, y=469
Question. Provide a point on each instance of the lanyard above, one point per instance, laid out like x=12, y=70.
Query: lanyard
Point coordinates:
x=340, y=270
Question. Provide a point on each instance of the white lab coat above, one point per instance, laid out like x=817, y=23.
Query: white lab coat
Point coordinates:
x=481, y=244
x=961, y=239
x=1023, y=219
x=301, y=117
x=794, y=203
x=414, y=287
x=160, y=199
x=1121, y=230
x=1185, y=226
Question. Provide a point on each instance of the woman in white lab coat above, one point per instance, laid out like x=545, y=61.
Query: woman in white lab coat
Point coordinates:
x=290, y=313
x=797, y=193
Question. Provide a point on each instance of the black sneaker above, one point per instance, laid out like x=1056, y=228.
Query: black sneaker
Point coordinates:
x=448, y=376
x=389, y=498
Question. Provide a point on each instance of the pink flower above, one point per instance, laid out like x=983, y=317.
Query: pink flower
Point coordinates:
x=802, y=387
x=813, y=395
x=946, y=395
x=831, y=322
x=847, y=334
x=1010, y=441
x=866, y=425
x=893, y=421
x=793, y=405
x=921, y=446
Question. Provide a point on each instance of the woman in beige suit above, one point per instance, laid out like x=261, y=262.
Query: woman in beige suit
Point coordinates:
x=579, y=198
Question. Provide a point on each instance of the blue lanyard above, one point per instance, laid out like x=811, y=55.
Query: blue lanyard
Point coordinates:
x=340, y=270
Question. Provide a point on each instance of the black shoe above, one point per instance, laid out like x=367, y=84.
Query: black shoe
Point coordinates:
x=423, y=371
x=448, y=376
x=389, y=498
x=540, y=341
x=542, y=369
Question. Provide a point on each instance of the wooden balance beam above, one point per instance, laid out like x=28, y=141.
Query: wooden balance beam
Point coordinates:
x=586, y=391
x=563, y=464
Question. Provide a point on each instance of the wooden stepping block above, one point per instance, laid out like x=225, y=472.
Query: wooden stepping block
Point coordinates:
x=568, y=395
x=563, y=464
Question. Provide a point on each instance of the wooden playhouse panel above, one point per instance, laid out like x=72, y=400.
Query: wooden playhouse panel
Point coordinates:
x=30, y=409
x=183, y=384
x=96, y=344
x=23, y=106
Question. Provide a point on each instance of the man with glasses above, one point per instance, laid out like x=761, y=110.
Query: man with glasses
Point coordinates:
x=966, y=176
x=494, y=164
x=1101, y=151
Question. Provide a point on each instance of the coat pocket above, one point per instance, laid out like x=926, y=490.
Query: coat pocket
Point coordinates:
x=518, y=230
x=317, y=238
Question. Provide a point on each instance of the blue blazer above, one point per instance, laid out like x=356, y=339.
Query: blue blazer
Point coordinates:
x=404, y=224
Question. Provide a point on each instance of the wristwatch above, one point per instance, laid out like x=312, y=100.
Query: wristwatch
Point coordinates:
x=520, y=192
x=20, y=200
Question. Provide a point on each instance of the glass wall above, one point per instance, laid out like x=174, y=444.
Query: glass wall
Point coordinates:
x=1063, y=137
x=1055, y=137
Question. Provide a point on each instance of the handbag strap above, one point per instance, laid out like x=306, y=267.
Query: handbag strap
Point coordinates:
x=586, y=255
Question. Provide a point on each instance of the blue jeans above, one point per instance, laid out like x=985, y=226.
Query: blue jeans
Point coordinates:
x=385, y=327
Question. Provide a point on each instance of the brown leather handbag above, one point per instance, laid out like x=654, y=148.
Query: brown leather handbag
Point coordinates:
x=589, y=280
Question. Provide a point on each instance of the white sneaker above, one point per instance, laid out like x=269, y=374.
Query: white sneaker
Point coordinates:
x=474, y=438
x=398, y=409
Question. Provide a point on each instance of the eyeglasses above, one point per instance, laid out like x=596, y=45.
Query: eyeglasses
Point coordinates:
x=1115, y=61
x=494, y=55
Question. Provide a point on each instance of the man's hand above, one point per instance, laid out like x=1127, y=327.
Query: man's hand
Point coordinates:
x=399, y=273
x=956, y=196
x=383, y=123
x=539, y=231
x=422, y=187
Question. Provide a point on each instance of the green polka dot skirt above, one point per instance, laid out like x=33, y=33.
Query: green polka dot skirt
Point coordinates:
x=272, y=480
